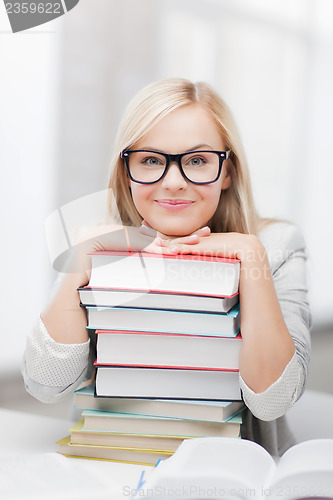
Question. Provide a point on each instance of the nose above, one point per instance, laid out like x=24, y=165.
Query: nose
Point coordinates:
x=173, y=179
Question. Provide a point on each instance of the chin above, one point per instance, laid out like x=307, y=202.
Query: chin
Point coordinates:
x=174, y=230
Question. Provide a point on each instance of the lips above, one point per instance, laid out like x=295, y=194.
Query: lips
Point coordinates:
x=174, y=204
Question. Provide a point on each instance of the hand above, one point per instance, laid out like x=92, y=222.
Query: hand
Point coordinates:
x=245, y=247
x=172, y=243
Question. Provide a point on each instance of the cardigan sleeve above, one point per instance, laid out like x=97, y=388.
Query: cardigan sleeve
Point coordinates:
x=50, y=369
x=287, y=256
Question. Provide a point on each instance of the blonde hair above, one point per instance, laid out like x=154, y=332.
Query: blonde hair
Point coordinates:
x=235, y=211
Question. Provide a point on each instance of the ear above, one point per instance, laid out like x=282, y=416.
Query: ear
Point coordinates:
x=226, y=179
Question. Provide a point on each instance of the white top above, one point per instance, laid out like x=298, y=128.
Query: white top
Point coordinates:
x=52, y=370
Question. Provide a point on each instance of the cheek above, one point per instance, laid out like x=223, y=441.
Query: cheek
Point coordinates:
x=140, y=195
x=211, y=196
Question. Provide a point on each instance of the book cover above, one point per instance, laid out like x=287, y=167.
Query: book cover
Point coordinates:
x=178, y=273
x=219, y=411
x=220, y=385
x=104, y=421
x=126, y=440
x=167, y=350
x=160, y=320
x=111, y=297
x=111, y=453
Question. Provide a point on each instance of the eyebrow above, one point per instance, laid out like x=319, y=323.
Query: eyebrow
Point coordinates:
x=194, y=148
x=207, y=146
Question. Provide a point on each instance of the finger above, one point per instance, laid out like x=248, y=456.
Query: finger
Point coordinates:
x=146, y=226
x=192, y=239
x=147, y=230
x=162, y=242
x=162, y=250
x=174, y=250
x=203, y=231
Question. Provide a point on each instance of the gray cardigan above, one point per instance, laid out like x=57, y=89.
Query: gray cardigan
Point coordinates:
x=287, y=256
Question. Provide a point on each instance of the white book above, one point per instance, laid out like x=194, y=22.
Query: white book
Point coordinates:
x=146, y=441
x=160, y=320
x=197, y=274
x=168, y=383
x=106, y=421
x=226, y=468
x=111, y=297
x=167, y=350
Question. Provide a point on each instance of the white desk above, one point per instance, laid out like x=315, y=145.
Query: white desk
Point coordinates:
x=23, y=434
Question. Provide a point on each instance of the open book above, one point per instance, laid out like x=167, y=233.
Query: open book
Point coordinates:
x=216, y=468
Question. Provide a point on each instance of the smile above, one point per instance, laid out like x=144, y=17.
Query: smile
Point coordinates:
x=174, y=204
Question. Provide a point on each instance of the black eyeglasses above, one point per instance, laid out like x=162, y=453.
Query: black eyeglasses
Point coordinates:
x=146, y=166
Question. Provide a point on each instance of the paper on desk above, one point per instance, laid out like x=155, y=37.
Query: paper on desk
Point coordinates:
x=49, y=476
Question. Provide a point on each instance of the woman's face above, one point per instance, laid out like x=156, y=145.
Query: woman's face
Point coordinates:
x=174, y=206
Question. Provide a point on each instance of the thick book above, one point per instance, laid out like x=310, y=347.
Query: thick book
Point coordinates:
x=125, y=440
x=104, y=421
x=205, y=275
x=111, y=297
x=167, y=350
x=219, y=411
x=165, y=383
x=217, y=468
x=112, y=453
x=160, y=320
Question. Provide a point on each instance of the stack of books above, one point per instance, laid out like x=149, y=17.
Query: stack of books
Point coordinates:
x=168, y=344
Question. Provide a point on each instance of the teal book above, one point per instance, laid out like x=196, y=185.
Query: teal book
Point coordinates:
x=217, y=411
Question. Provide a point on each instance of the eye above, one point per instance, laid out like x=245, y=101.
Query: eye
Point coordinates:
x=196, y=161
x=153, y=161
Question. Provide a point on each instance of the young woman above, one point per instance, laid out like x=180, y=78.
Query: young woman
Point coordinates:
x=181, y=184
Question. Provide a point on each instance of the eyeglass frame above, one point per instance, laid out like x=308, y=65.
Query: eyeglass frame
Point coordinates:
x=176, y=158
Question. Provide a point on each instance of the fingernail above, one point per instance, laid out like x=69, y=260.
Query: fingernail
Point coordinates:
x=173, y=249
x=193, y=236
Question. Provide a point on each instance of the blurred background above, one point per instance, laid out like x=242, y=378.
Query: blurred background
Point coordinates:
x=64, y=86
